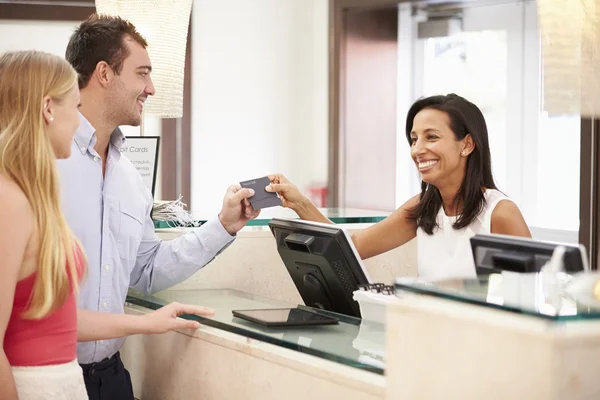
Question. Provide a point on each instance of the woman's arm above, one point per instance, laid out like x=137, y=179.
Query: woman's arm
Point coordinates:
x=508, y=220
x=93, y=325
x=394, y=231
x=16, y=229
x=292, y=198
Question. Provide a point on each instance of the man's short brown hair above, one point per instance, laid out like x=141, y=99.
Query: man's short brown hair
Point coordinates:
x=100, y=38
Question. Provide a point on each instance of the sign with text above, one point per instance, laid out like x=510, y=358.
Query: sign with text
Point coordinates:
x=142, y=151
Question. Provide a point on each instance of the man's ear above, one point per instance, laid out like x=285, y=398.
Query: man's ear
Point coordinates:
x=103, y=73
x=48, y=110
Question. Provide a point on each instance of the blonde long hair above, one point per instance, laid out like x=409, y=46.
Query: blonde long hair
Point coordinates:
x=27, y=157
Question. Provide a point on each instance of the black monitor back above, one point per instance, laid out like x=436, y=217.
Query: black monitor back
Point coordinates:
x=321, y=262
x=495, y=253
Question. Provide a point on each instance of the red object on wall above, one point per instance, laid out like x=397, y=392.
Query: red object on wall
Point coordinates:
x=318, y=195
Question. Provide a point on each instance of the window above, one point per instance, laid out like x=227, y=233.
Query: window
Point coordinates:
x=473, y=65
x=495, y=62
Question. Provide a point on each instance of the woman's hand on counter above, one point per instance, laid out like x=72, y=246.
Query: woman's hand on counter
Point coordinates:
x=94, y=325
x=166, y=319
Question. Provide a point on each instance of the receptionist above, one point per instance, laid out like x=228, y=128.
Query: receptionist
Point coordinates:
x=449, y=145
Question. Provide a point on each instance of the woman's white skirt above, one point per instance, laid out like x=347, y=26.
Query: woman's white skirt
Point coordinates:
x=56, y=382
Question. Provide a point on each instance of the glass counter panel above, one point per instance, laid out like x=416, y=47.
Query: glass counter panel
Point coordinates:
x=535, y=294
x=336, y=215
x=352, y=342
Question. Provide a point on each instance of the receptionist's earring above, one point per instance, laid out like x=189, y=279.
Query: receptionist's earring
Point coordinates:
x=52, y=119
x=463, y=153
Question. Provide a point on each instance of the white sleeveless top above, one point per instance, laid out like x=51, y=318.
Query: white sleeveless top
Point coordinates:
x=447, y=253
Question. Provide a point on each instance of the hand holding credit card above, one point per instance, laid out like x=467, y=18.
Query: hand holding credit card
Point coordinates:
x=261, y=198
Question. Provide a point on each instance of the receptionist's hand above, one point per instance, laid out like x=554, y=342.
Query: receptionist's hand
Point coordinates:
x=290, y=196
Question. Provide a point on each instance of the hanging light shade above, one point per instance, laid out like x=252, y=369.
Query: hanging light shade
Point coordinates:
x=570, y=56
x=164, y=24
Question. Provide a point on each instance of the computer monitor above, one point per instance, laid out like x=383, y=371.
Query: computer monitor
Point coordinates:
x=494, y=253
x=323, y=263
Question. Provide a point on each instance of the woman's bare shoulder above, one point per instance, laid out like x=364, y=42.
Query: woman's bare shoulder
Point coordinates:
x=12, y=198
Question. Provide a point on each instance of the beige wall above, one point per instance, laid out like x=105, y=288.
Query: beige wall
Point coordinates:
x=259, y=94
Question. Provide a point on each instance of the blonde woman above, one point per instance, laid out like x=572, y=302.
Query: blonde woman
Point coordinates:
x=41, y=259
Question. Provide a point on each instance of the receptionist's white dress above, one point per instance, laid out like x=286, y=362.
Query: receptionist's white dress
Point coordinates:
x=447, y=253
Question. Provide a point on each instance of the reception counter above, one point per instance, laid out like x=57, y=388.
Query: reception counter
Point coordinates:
x=503, y=336
x=252, y=264
x=228, y=358
x=336, y=215
x=498, y=337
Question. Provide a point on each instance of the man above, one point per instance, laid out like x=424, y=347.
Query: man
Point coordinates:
x=108, y=207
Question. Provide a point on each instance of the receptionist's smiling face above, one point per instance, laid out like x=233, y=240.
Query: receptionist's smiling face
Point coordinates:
x=435, y=148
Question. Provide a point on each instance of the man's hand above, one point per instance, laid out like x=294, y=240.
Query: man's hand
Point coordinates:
x=165, y=318
x=237, y=211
